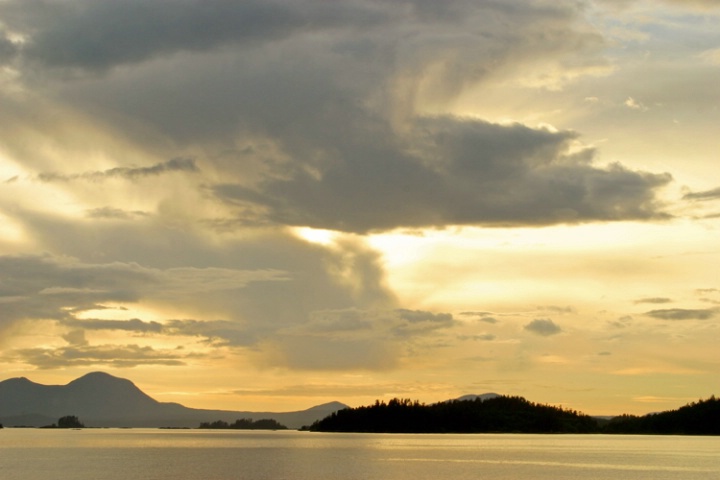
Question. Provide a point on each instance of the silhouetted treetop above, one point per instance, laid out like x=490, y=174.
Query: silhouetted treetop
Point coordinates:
x=70, y=421
x=245, y=424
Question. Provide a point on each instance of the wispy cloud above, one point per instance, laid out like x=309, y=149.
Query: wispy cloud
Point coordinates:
x=704, y=195
x=683, y=313
x=128, y=173
x=657, y=300
x=119, y=356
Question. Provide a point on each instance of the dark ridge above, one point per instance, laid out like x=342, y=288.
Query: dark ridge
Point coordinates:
x=504, y=414
x=501, y=414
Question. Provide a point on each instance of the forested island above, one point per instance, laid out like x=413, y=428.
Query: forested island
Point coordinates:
x=244, y=424
x=512, y=414
x=68, y=421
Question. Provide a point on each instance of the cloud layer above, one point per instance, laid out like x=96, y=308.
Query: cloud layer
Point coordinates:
x=316, y=115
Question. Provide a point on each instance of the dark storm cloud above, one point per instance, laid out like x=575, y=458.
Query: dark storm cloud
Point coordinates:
x=457, y=171
x=97, y=34
x=683, y=314
x=8, y=48
x=544, y=327
x=174, y=165
x=347, y=146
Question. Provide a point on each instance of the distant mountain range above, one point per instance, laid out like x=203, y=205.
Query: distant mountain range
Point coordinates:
x=102, y=400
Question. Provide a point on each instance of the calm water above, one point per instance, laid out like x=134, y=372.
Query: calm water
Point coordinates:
x=149, y=454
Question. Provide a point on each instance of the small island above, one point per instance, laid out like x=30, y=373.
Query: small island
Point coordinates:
x=68, y=421
x=244, y=424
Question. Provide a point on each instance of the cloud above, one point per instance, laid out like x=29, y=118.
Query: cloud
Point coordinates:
x=217, y=332
x=92, y=34
x=701, y=4
x=399, y=323
x=543, y=327
x=76, y=337
x=657, y=300
x=48, y=287
x=457, y=171
x=485, y=337
x=683, y=314
x=711, y=56
x=331, y=130
x=110, y=213
x=333, y=390
x=556, y=309
x=131, y=325
x=174, y=165
x=704, y=195
x=8, y=48
x=276, y=113
x=706, y=291
x=79, y=355
x=486, y=317
x=253, y=304
x=635, y=105
x=354, y=339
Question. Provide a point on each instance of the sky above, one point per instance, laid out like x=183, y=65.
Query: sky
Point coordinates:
x=267, y=205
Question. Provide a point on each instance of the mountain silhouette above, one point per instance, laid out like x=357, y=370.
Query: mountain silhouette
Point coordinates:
x=102, y=400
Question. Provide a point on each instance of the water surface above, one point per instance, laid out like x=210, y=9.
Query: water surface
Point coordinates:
x=151, y=454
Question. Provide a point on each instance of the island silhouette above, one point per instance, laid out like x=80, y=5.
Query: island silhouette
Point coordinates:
x=513, y=414
x=103, y=400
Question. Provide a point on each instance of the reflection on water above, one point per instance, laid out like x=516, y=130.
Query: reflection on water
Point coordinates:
x=32, y=454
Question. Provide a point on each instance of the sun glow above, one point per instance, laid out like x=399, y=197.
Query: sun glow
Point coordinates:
x=122, y=312
x=10, y=231
x=316, y=235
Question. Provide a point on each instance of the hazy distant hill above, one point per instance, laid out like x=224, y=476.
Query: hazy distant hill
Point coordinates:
x=483, y=397
x=102, y=400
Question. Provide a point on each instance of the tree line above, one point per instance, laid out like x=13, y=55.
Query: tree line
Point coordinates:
x=696, y=418
x=512, y=414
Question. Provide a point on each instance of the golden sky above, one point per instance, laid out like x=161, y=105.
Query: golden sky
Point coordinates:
x=268, y=205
